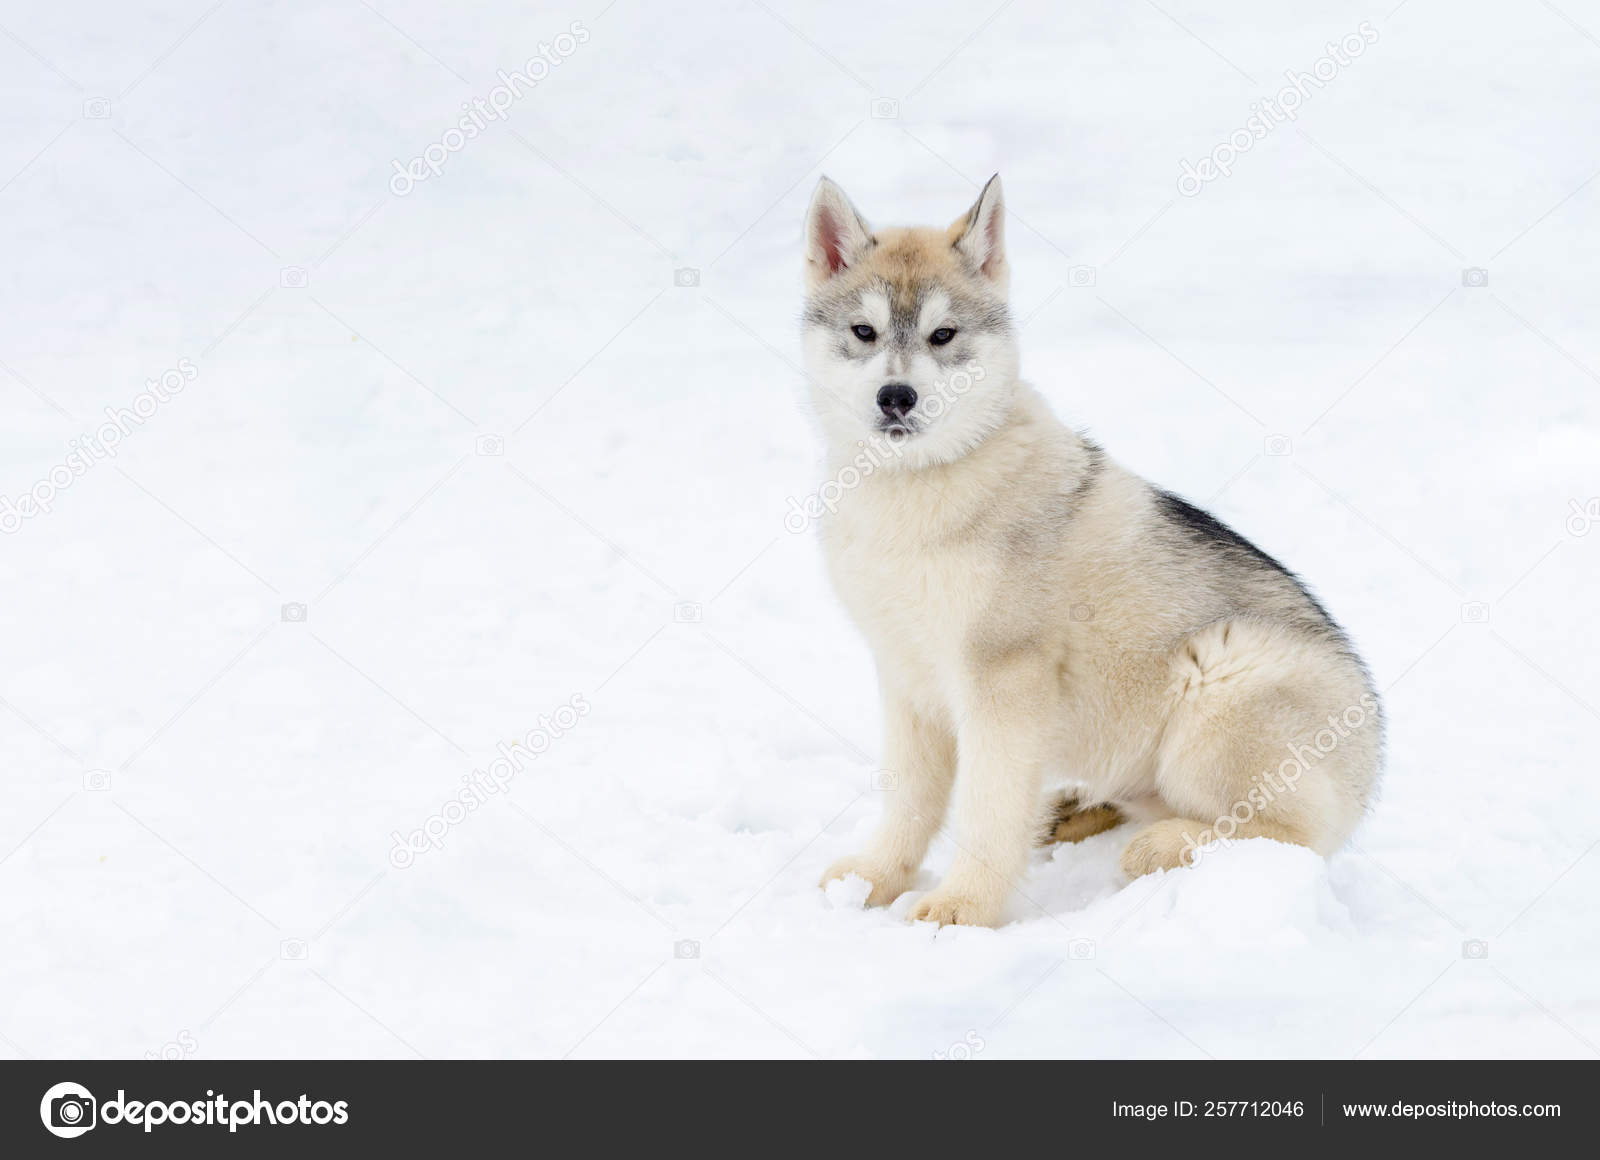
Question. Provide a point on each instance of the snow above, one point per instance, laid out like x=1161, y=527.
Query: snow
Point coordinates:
x=201, y=791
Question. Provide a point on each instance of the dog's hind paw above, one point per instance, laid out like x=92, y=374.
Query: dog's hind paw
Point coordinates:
x=1166, y=845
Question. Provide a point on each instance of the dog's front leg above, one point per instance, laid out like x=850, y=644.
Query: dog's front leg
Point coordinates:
x=1001, y=742
x=920, y=759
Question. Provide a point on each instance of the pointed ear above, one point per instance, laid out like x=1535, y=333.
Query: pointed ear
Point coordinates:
x=836, y=235
x=980, y=235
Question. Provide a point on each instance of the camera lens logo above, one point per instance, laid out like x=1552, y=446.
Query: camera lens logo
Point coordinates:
x=67, y=1110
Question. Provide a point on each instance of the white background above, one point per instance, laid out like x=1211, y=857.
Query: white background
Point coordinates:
x=231, y=892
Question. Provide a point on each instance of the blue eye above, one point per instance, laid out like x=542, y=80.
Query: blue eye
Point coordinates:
x=864, y=333
x=941, y=336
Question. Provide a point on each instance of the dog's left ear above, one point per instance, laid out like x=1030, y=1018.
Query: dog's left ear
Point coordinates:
x=836, y=234
x=980, y=235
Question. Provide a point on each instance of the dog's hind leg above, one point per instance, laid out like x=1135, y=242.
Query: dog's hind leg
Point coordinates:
x=1272, y=735
x=1172, y=843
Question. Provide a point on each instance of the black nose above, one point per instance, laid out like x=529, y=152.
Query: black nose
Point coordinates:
x=895, y=400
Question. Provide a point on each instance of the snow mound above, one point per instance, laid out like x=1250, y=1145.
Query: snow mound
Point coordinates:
x=1256, y=893
x=848, y=893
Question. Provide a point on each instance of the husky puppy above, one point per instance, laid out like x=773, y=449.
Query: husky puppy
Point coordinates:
x=1042, y=618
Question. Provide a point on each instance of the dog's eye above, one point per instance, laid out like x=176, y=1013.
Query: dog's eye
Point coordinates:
x=864, y=333
x=941, y=336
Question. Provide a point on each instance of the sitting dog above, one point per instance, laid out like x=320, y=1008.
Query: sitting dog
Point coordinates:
x=1042, y=618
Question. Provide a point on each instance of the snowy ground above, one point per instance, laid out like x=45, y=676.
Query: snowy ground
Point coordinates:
x=504, y=459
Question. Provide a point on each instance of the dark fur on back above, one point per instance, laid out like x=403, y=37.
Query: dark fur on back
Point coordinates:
x=1205, y=531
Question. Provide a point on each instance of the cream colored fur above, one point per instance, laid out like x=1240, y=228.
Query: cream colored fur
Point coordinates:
x=1037, y=618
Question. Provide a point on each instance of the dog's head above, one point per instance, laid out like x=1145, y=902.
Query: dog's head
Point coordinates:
x=908, y=340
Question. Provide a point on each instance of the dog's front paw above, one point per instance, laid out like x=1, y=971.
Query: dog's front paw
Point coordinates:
x=954, y=908
x=888, y=882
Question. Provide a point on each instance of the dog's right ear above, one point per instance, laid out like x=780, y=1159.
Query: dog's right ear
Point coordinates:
x=836, y=235
x=981, y=235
